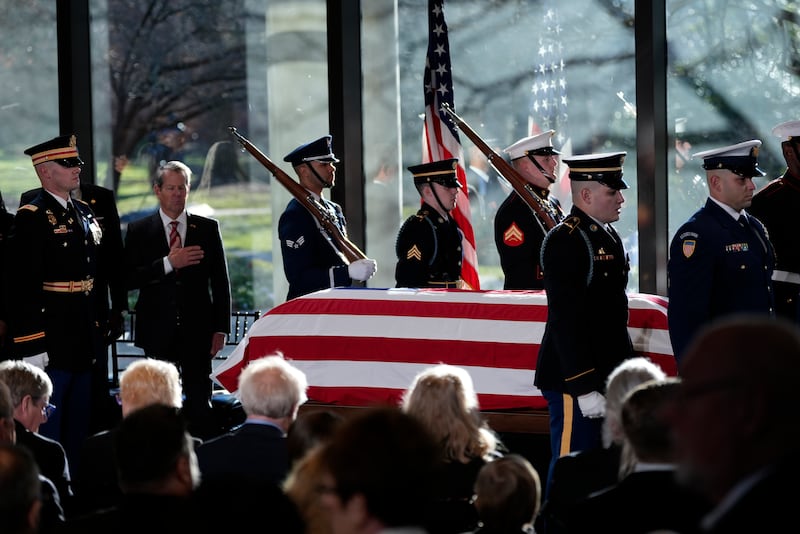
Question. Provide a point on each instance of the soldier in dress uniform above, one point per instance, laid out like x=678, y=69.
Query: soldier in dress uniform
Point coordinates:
x=721, y=259
x=775, y=205
x=311, y=259
x=429, y=250
x=518, y=230
x=585, y=276
x=54, y=242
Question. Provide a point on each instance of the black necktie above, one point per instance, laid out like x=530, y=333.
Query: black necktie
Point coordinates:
x=743, y=221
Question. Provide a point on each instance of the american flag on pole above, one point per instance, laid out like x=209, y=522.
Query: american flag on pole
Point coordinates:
x=440, y=139
x=362, y=347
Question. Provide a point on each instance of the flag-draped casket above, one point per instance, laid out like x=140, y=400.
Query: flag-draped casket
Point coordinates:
x=362, y=347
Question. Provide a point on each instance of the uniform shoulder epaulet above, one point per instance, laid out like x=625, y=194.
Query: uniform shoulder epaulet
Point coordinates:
x=571, y=222
x=30, y=207
x=422, y=214
x=81, y=201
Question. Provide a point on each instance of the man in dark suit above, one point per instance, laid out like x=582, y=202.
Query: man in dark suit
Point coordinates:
x=586, y=277
x=311, y=259
x=271, y=390
x=177, y=262
x=721, y=259
x=109, y=289
x=55, y=325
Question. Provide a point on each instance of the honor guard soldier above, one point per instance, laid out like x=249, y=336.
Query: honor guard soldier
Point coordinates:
x=54, y=242
x=721, y=259
x=311, y=259
x=518, y=231
x=775, y=205
x=429, y=250
x=586, y=333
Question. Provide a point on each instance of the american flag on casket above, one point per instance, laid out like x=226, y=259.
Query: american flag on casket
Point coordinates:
x=363, y=347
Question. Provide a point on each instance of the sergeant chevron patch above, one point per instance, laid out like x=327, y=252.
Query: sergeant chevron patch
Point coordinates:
x=414, y=254
x=513, y=236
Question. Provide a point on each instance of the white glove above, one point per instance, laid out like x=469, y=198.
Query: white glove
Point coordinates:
x=592, y=405
x=362, y=269
x=39, y=360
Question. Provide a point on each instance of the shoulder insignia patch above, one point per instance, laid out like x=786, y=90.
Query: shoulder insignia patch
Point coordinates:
x=513, y=236
x=296, y=244
x=688, y=247
x=29, y=207
x=414, y=254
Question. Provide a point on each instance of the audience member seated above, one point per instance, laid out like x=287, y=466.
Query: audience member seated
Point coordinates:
x=31, y=389
x=443, y=399
x=307, y=434
x=379, y=469
x=20, y=503
x=158, y=474
x=271, y=390
x=580, y=473
x=649, y=498
x=308, y=430
x=302, y=484
x=507, y=496
x=144, y=382
x=735, y=423
x=49, y=515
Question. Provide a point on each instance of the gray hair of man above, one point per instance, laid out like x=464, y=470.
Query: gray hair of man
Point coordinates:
x=174, y=165
x=272, y=387
x=623, y=379
x=23, y=378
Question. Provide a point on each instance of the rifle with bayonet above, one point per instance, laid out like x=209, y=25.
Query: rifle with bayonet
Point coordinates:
x=348, y=249
x=542, y=208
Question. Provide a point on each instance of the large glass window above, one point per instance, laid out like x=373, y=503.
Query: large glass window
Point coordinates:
x=732, y=76
x=28, y=91
x=519, y=67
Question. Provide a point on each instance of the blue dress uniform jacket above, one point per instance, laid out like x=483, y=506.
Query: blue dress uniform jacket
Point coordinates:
x=51, y=248
x=429, y=252
x=716, y=267
x=586, y=334
x=518, y=235
x=775, y=205
x=311, y=260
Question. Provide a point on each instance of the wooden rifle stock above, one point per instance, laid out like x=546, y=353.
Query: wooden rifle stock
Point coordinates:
x=348, y=249
x=539, y=206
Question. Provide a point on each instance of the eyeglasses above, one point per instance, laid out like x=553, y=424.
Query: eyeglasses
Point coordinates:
x=48, y=409
x=69, y=163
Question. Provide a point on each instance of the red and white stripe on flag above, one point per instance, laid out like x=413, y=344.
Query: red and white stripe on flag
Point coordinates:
x=440, y=139
x=361, y=347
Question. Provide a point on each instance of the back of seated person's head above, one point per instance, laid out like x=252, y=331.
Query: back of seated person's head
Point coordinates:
x=154, y=452
x=272, y=387
x=443, y=398
x=8, y=430
x=308, y=430
x=626, y=376
x=149, y=381
x=508, y=494
x=385, y=459
x=645, y=428
x=27, y=384
x=20, y=502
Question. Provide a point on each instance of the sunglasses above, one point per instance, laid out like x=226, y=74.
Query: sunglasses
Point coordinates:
x=69, y=163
